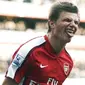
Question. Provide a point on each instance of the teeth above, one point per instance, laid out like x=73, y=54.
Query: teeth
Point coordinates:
x=70, y=33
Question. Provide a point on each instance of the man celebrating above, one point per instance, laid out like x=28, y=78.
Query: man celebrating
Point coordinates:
x=44, y=60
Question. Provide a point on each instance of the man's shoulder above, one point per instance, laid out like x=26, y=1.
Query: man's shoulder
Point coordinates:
x=30, y=44
x=35, y=41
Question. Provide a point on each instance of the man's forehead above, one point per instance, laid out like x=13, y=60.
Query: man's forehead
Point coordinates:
x=65, y=14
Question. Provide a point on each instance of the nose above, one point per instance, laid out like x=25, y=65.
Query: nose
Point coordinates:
x=73, y=25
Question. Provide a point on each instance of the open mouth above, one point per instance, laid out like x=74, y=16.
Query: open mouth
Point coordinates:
x=70, y=32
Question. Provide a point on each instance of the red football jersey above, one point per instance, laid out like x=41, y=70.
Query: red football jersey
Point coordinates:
x=36, y=63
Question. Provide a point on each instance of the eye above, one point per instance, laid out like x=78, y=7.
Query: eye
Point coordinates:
x=67, y=20
x=76, y=22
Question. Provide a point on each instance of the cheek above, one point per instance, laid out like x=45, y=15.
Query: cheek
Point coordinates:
x=57, y=31
x=77, y=30
x=60, y=28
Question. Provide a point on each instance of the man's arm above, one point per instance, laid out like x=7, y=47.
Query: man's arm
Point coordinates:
x=9, y=81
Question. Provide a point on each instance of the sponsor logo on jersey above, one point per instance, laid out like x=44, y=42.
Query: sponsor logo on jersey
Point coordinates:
x=66, y=68
x=51, y=81
x=17, y=60
x=32, y=82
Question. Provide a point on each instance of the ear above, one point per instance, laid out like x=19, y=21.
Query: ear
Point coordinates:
x=51, y=23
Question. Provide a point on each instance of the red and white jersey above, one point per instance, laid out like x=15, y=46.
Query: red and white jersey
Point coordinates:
x=36, y=63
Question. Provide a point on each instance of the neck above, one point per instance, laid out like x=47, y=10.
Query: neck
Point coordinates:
x=57, y=44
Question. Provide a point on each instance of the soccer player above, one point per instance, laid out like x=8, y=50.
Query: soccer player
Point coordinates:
x=44, y=60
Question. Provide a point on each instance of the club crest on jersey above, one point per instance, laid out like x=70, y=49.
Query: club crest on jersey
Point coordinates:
x=66, y=68
x=18, y=60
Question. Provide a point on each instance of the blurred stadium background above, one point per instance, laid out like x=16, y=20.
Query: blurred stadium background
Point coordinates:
x=22, y=19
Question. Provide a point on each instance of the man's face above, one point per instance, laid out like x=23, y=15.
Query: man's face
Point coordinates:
x=66, y=26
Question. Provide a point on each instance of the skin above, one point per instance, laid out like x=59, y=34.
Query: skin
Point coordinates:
x=58, y=36
x=9, y=81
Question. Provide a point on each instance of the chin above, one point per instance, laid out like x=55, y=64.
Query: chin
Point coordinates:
x=66, y=40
